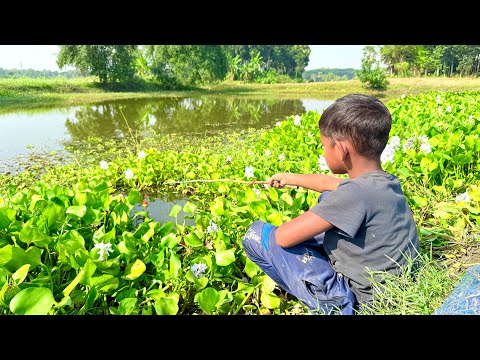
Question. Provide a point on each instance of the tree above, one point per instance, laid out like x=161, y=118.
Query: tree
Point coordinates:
x=372, y=75
x=289, y=60
x=186, y=64
x=111, y=63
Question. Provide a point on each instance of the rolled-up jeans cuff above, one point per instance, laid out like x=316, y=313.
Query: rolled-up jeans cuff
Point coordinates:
x=266, y=229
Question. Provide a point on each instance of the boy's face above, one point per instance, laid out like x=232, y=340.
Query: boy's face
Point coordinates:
x=333, y=155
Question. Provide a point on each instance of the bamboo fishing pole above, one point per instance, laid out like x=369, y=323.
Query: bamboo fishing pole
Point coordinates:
x=254, y=182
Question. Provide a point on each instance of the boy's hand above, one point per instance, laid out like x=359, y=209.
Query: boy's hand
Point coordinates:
x=278, y=180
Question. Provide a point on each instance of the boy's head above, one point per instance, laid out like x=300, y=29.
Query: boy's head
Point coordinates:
x=363, y=120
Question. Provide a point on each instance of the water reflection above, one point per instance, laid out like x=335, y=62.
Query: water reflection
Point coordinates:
x=203, y=115
x=159, y=208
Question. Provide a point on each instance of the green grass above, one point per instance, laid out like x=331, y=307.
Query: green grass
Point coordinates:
x=24, y=93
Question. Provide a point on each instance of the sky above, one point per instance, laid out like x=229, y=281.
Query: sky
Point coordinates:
x=43, y=57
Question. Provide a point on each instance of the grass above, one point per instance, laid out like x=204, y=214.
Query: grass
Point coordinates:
x=24, y=93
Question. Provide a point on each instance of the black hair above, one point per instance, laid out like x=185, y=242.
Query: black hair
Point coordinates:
x=363, y=120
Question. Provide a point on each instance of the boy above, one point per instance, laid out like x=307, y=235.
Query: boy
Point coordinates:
x=362, y=222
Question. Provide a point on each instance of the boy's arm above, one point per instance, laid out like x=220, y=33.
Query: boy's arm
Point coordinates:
x=301, y=228
x=316, y=182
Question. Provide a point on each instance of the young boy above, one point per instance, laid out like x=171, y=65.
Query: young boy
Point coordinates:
x=360, y=222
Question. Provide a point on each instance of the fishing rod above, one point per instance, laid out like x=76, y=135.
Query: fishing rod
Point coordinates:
x=254, y=182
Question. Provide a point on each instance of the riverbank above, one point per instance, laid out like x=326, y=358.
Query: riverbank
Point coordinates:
x=45, y=93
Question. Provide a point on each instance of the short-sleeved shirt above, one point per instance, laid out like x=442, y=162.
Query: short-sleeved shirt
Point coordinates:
x=373, y=229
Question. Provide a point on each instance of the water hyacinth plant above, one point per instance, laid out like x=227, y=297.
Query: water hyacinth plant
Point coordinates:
x=71, y=239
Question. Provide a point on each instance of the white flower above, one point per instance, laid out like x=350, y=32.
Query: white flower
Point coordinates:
x=403, y=96
x=470, y=117
x=228, y=159
x=322, y=163
x=268, y=153
x=449, y=108
x=212, y=227
x=408, y=144
x=245, y=280
x=395, y=142
x=104, y=250
x=425, y=147
x=281, y=157
x=257, y=191
x=297, y=120
x=462, y=197
x=438, y=99
x=249, y=172
x=388, y=154
x=423, y=138
x=265, y=186
x=128, y=174
x=278, y=123
x=103, y=165
x=141, y=154
x=309, y=134
x=198, y=270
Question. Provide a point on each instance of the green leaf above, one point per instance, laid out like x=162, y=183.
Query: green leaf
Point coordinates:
x=5, y=254
x=134, y=197
x=133, y=271
x=77, y=210
x=217, y=207
x=7, y=216
x=13, y=258
x=80, y=198
x=287, y=198
x=127, y=306
x=30, y=233
x=250, y=195
x=193, y=240
x=207, y=299
x=175, y=265
x=55, y=216
x=271, y=301
x=275, y=219
x=71, y=286
x=21, y=274
x=189, y=207
x=166, y=306
x=251, y=269
x=273, y=193
x=200, y=283
x=420, y=201
x=474, y=192
x=175, y=210
x=224, y=258
x=32, y=301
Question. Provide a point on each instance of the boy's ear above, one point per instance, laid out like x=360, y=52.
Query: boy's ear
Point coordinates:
x=342, y=145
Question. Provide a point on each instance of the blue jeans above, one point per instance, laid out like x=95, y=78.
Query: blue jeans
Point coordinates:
x=304, y=270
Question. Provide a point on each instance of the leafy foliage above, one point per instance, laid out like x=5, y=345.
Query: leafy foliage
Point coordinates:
x=71, y=243
x=174, y=65
x=372, y=75
x=111, y=63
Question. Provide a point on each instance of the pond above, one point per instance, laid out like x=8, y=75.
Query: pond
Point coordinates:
x=63, y=129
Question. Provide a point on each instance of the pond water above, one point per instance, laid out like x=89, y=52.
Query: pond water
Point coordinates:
x=51, y=130
x=44, y=131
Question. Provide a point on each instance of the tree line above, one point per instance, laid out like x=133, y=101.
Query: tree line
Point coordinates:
x=425, y=60
x=174, y=65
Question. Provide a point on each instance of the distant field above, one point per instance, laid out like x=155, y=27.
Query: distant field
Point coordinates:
x=28, y=93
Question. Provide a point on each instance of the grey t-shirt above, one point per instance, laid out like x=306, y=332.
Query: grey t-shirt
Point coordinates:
x=373, y=228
